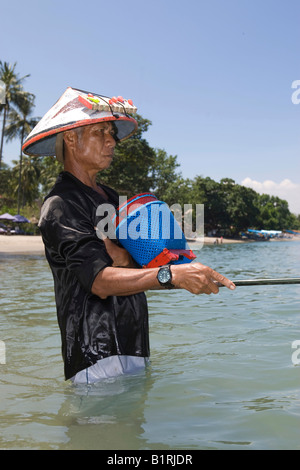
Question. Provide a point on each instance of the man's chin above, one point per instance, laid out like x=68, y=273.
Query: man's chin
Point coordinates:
x=109, y=159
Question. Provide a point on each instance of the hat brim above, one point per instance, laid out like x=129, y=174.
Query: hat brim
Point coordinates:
x=51, y=143
x=46, y=138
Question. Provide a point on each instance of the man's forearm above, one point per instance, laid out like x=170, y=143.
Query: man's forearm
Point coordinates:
x=124, y=281
x=194, y=277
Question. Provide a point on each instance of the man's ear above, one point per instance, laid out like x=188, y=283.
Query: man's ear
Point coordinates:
x=70, y=138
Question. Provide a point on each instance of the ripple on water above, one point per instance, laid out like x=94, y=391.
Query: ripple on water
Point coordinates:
x=221, y=375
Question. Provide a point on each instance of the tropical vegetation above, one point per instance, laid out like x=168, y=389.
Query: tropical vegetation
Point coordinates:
x=230, y=208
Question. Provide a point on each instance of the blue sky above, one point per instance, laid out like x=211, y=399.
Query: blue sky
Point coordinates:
x=214, y=77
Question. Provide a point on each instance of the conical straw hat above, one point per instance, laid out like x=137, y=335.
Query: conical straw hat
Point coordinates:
x=76, y=108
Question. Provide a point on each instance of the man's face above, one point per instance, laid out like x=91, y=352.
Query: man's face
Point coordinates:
x=95, y=146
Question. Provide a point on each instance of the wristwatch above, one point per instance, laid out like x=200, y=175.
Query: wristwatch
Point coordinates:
x=164, y=277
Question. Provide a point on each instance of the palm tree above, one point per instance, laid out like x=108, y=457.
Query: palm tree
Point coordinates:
x=14, y=92
x=25, y=180
x=19, y=125
x=50, y=168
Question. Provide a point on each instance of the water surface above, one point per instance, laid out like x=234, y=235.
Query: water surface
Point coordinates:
x=221, y=374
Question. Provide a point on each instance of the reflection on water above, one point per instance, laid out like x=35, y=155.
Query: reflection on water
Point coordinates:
x=221, y=375
x=111, y=414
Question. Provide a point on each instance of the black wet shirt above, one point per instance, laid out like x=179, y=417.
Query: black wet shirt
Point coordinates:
x=91, y=328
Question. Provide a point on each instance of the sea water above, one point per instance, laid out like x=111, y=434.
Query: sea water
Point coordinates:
x=224, y=370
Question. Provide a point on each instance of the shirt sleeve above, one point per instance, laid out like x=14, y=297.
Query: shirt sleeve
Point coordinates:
x=70, y=239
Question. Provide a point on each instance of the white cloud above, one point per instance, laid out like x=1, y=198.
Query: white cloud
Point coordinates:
x=285, y=190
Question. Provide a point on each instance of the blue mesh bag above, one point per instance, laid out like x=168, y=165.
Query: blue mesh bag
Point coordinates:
x=148, y=230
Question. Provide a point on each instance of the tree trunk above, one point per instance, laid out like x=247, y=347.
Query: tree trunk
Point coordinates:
x=20, y=170
x=2, y=135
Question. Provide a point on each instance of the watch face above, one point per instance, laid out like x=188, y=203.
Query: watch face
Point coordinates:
x=164, y=276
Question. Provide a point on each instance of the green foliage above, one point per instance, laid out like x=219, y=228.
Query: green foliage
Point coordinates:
x=49, y=171
x=137, y=167
x=24, y=180
x=274, y=214
x=130, y=172
x=164, y=175
x=15, y=95
x=5, y=175
x=19, y=122
x=231, y=208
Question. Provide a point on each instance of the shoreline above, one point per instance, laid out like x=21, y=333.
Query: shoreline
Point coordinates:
x=33, y=244
x=214, y=241
x=21, y=244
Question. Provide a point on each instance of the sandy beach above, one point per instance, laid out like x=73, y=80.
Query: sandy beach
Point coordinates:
x=21, y=244
x=33, y=244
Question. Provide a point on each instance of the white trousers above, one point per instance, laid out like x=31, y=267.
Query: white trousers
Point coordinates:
x=112, y=366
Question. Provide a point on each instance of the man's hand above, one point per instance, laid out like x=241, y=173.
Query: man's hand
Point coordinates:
x=120, y=256
x=198, y=279
x=194, y=277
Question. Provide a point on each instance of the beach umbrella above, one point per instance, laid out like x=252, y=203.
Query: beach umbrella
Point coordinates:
x=7, y=216
x=20, y=219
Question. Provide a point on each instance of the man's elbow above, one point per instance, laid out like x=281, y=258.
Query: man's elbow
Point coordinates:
x=98, y=287
x=99, y=292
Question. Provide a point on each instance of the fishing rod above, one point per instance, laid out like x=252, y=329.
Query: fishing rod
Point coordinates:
x=263, y=282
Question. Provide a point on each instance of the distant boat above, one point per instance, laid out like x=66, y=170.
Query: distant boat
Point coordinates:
x=257, y=235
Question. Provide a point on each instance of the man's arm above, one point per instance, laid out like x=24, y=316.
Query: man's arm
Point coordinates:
x=118, y=254
x=193, y=277
x=119, y=280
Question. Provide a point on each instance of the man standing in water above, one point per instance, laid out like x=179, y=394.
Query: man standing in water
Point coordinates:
x=99, y=291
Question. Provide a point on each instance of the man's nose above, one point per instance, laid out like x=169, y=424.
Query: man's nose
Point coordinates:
x=110, y=141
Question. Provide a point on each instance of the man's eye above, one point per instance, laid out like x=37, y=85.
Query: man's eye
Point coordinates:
x=111, y=132
x=107, y=131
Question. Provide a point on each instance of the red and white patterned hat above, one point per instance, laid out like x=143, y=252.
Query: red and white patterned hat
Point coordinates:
x=76, y=108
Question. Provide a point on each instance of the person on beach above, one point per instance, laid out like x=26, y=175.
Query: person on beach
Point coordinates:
x=99, y=290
